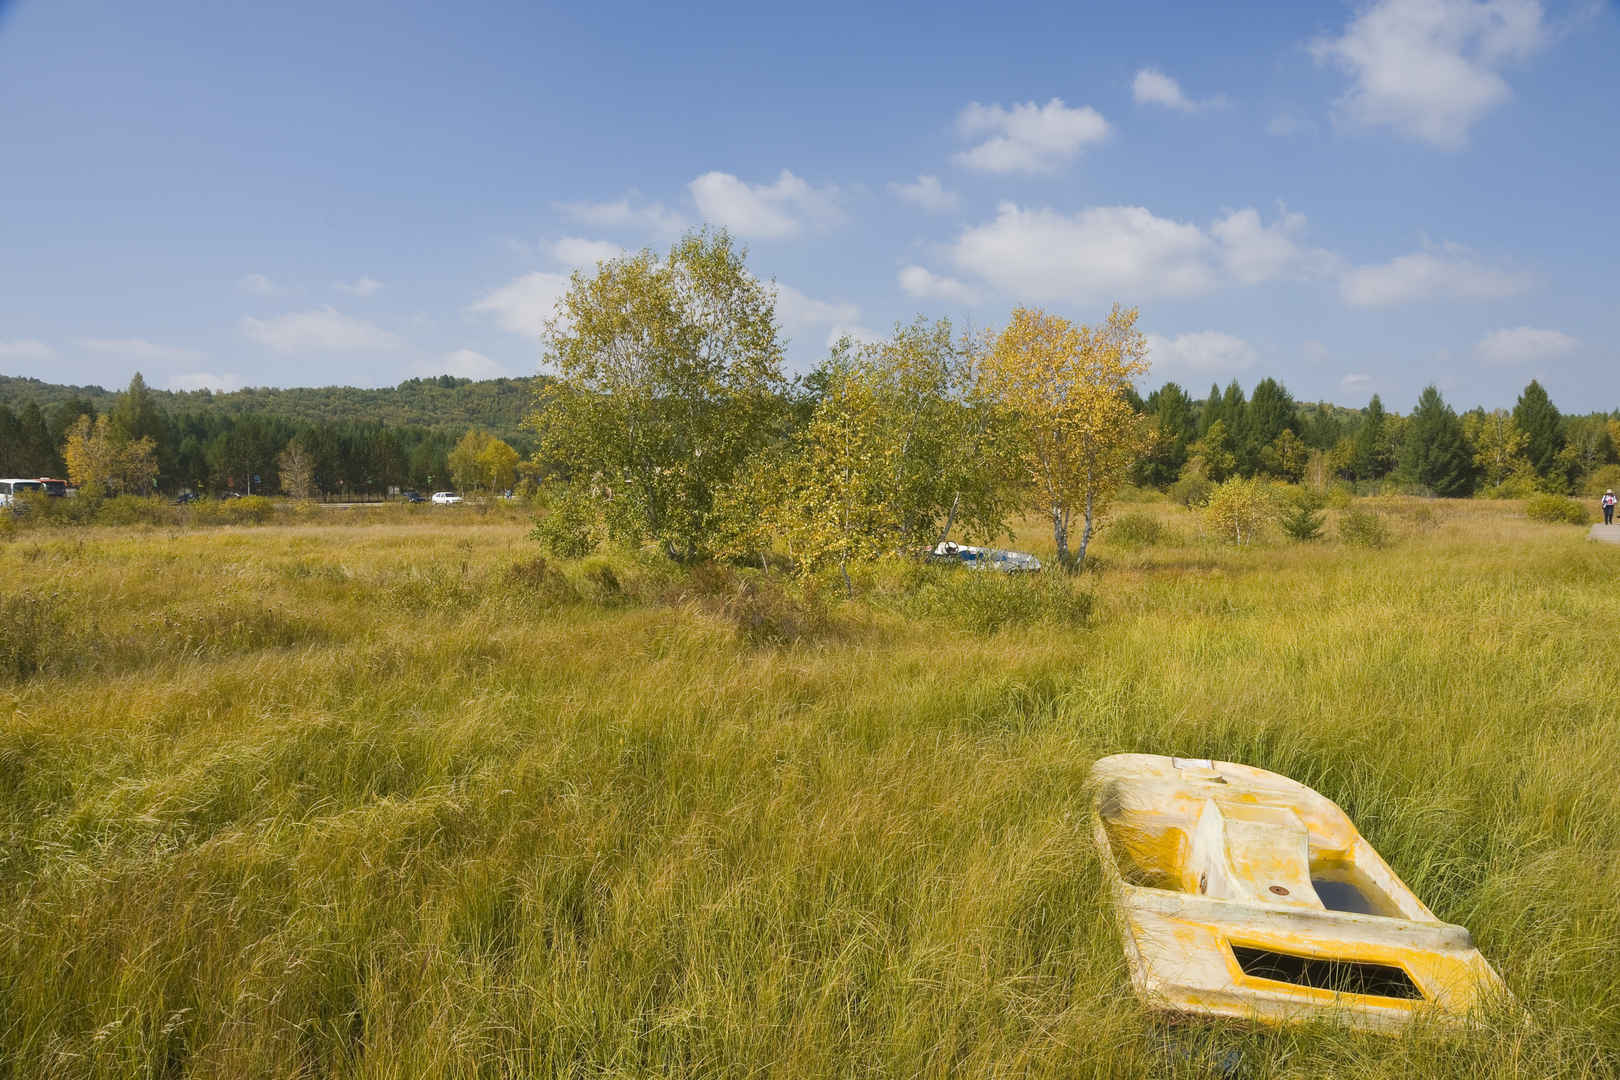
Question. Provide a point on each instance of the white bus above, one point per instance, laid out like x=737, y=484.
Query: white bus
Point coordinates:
x=10, y=488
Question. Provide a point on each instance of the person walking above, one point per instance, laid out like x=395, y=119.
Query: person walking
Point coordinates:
x=1608, y=507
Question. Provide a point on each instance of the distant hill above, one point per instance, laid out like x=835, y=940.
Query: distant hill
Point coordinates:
x=444, y=402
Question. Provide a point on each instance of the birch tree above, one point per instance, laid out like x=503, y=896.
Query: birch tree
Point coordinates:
x=1062, y=390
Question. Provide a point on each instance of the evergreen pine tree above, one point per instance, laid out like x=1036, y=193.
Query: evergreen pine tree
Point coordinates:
x=1435, y=452
x=1538, y=418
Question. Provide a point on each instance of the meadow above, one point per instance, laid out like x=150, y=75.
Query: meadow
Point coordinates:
x=387, y=794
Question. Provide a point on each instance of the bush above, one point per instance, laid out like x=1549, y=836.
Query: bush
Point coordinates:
x=1556, y=509
x=1364, y=528
x=1191, y=489
x=1238, y=509
x=568, y=529
x=1601, y=479
x=1136, y=529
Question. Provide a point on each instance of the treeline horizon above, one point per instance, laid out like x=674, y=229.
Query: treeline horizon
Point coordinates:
x=1262, y=431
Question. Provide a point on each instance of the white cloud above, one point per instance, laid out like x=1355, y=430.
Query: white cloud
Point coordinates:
x=464, y=364
x=25, y=350
x=139, y=350
x=803, y=316
x=364, y=285
x=1523, y=345
x=927, y=193
x=1447, y=272
x=768, y=211
x=629, y=212
x=321, y=329
x=1153, y=87
x=1043, y=255
x=1429, y=69
x=1356, y=380
x=218, y=382
x=1207, y=352
x=1127, y=251
x=580, y=252
x=1252, y=251
x=1028, y=137
x=258, y=285
x=522, y=306
x=924, y=284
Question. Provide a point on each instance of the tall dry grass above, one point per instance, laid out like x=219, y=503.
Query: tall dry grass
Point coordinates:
x=399, y=801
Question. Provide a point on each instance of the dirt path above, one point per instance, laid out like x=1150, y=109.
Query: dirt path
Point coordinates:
x=1611, y=533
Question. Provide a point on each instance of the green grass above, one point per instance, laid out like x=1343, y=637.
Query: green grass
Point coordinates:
x=392, y=800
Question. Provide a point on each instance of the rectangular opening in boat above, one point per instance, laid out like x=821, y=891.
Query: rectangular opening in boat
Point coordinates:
x=1327, y=973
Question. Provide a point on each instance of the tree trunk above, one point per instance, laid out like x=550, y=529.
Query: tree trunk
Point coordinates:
x=950, y=519
x=1085, y=533
x=1060, y=535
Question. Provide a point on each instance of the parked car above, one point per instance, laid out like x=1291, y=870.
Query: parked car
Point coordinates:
x=186, y=497
x=414, y=497
x=55, y=488
x=446, y=498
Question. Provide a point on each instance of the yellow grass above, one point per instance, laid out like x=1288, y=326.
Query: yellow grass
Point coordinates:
x=362, y=800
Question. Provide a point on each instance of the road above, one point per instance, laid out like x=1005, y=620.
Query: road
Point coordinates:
x=1610, y=533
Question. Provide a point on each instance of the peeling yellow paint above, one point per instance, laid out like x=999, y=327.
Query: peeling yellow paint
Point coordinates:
x=1208, y=860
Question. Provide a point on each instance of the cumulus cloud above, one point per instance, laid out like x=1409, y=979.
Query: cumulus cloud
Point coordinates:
x=1523, y=345
x=1429, y=69
x=768, y=211
x=926, y=285
x=1028, y=138
x=1204, y=353
x=630, y=212
x=928, y=193
x=141, y=351
x=220, y=382
x=25, y=350
x=580, y=252
x=522, y=306
x=466, y=364
x=258, y=285
x=1153, y=87
x=321, y=329
x=806, y=316
x=1106, y=251
x=1252, y=251
x=1356, y=380
x=360, y=286
x=1449, y=271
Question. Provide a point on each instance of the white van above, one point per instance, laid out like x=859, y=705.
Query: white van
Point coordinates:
x=9, y=488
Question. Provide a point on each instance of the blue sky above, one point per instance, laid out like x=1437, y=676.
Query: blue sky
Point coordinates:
x=1355, y=198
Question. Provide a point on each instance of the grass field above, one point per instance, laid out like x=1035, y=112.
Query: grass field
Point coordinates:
x=383, y=796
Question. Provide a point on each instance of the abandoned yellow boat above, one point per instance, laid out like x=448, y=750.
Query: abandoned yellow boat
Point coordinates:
x=1242, y=893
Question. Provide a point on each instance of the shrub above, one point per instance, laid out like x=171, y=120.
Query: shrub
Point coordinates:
x=1191, y=489
x=1301, y=517
x=1601, y=479
x=1556, y=509
x=1136, y=529
x=1238, y=509
x=568, y=529
x=1364, y=528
